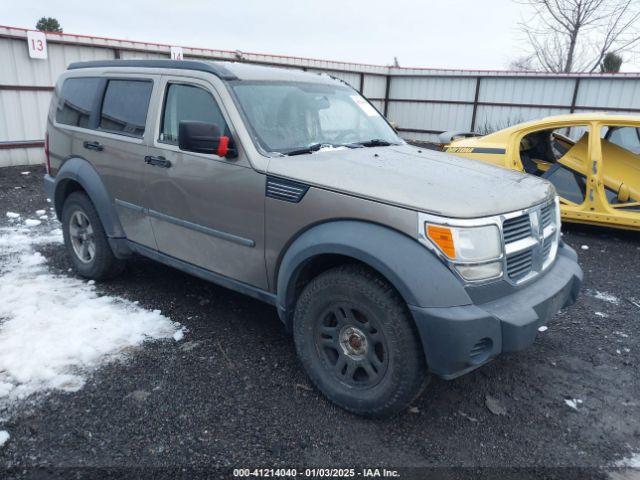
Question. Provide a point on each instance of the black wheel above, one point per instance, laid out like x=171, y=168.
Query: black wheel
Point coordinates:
x=357, y=342
x=86, y=241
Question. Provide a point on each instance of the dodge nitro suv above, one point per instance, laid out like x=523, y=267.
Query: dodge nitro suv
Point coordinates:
x=387, y=263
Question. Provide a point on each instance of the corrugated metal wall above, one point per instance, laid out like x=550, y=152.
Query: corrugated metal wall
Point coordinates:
x=420, y=102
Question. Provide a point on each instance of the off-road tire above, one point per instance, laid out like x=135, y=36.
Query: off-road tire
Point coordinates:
x=405, y=374
x=103, y=265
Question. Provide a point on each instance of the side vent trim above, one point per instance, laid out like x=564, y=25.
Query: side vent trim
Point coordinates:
x=285, y=190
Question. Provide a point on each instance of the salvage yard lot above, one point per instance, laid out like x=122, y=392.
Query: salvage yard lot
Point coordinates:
x=231, y=392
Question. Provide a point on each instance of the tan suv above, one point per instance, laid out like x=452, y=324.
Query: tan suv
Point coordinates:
x=387, y=262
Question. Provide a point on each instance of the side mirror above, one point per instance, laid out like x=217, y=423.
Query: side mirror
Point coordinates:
x=202, y=137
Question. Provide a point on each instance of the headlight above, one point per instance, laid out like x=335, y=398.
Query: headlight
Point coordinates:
x=466, y=244
x=473, y=251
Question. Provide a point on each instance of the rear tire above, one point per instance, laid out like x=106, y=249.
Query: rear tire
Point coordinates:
x=357, y=342
x=86, y=240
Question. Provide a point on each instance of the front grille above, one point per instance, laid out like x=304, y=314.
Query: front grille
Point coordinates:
x=517, y=228
x=526, y=258
x=546, y=248
x=547, y=215
x=519, y=264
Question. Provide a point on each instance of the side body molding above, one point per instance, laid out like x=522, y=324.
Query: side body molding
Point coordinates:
x=420, y=278
x=81, y=171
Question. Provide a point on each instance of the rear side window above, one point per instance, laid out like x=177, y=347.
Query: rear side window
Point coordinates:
x=626, y=137
x=76, y=100
x=124, y=107
x=188, y=103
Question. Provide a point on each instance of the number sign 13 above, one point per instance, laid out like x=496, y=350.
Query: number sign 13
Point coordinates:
x=37, y=42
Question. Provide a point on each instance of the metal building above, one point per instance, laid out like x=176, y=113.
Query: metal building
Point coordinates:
x=420, y=102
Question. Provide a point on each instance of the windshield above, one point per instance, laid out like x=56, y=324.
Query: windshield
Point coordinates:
x=287, y=117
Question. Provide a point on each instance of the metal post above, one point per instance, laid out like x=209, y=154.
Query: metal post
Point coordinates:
x=386, y=95
x=361, y=83
x=575, y=95
x=475, y=105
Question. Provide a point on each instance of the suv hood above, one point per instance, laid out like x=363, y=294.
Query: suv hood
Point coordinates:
x=426, y=180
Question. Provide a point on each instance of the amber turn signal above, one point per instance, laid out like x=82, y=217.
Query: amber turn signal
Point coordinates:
x=443, y=238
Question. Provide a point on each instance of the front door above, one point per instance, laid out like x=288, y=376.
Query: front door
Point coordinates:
x=204, y=209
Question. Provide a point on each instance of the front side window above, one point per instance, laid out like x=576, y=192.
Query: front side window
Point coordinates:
x=76, y=100
x=188, y=103
x=288, y=116
x=125, y=105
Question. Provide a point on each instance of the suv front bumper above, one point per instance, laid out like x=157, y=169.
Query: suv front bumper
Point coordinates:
x=459, y=339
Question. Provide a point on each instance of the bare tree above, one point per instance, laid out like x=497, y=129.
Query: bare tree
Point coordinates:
x=525, y=63
x=575, y=35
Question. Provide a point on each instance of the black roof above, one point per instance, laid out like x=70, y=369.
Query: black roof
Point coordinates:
x=216, y=69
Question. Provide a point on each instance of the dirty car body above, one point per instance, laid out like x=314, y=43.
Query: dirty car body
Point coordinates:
x=385, y=261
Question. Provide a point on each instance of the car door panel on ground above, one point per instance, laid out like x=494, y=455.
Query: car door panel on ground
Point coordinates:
x=204, y=209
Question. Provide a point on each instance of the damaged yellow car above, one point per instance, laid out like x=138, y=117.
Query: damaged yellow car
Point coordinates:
x=593, y=160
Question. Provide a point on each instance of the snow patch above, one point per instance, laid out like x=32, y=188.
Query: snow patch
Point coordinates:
x=25, y=173
x=585, y=247
x=572, y=402
x=54, y=329
x=631, y=462
x=4, y=437
x=179, y=335
x=40, y=212
x=601, y=314
x=13, y=215
x=604, y=296
x=543, y=328
x=30, y=222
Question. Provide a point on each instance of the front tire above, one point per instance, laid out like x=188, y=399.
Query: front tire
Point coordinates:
x=357, y=342
x=86, y=241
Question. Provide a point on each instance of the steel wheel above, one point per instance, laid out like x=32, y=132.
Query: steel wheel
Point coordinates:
x=82, y=237
x=351, y=342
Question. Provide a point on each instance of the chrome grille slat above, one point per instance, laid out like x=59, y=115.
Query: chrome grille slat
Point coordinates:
x=516, y=228
x=522, y=262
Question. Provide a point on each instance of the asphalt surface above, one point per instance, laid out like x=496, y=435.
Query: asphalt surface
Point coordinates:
x=232, y=393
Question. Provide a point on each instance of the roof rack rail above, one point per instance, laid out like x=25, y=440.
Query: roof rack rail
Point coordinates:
x=218, y=70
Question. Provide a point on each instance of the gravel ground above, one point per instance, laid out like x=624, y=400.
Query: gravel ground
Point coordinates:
x=233, y=394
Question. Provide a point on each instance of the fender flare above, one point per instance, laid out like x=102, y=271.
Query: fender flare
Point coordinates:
x=81, y=171
x=415, y=272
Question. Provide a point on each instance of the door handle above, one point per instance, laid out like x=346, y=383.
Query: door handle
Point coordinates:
x=157, y=161
x=93, y=146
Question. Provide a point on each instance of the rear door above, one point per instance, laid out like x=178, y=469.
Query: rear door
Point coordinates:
x=205, y=210
x=108, y=117
x=119, y=156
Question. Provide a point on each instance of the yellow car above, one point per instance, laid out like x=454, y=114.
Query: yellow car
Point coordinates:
x=593, y=160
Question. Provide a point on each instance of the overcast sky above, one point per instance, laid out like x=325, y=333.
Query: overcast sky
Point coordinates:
x=479, y=34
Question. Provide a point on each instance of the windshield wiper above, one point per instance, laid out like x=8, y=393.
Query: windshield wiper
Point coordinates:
x=314, y=147
x=374, y=142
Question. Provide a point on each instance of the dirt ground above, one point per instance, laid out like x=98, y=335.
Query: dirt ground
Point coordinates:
x=232, y=393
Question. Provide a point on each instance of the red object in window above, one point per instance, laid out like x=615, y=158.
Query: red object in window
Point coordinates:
x=46, y=153
x=223, y=146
